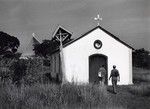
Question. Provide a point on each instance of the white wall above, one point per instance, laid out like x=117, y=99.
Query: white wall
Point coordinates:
x=76, y=56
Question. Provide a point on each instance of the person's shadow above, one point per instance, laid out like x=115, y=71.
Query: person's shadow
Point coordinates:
x=110, y=89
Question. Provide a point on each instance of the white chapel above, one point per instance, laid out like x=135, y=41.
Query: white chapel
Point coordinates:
x=84, y=56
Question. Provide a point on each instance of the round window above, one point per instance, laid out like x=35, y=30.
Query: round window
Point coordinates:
x=97, y=44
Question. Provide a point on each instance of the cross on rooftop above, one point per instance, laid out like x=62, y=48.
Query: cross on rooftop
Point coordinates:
x=61, y=36
x=98, y=19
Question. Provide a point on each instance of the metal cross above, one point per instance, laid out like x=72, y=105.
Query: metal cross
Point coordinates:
x=61, y=36
x=98, y=19
x=33, y=34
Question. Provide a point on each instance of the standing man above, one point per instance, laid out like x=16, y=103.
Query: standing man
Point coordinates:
x=102, y=75
x=114, y=77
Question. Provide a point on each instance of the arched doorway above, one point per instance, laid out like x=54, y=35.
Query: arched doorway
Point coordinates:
x=95, y=62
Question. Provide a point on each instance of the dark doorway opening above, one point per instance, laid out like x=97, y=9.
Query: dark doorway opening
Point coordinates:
x=95, y=62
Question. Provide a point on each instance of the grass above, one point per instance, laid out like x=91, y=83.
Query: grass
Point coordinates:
x=140, y=90
x=141, y=75
x=43, y=96
x=72, y=96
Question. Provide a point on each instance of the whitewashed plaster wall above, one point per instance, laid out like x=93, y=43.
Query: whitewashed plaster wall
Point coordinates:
x=76, y=56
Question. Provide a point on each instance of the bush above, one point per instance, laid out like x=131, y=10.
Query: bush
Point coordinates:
x=34, y=71
x=28, y=72
x=6, y=72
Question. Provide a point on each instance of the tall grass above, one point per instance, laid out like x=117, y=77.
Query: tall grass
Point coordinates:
x=46, y=96
x=31, y=93
x=34, y=94
x=141, y=75
x=140, y=90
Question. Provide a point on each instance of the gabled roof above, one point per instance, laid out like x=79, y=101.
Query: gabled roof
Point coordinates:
x=110, y=34
x=35, y=41
x=28, y=50
x=64, y=32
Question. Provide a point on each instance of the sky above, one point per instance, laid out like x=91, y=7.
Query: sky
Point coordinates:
x=129, y=20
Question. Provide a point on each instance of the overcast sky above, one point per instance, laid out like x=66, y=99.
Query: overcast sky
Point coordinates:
x=127, y=19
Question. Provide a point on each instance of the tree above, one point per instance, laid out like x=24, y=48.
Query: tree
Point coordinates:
x=8, y=44
x=141, y=58
x=47, y=47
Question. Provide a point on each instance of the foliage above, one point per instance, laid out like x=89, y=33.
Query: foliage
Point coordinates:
x=19, y=70
x=8, y=44
x=47, y=47
x=6, y=72
x=34, y=71
x=141, y=58
x=28, y=72
x=141, y=76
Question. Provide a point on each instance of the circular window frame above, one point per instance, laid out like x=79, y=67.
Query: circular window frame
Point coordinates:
x=98, y=42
